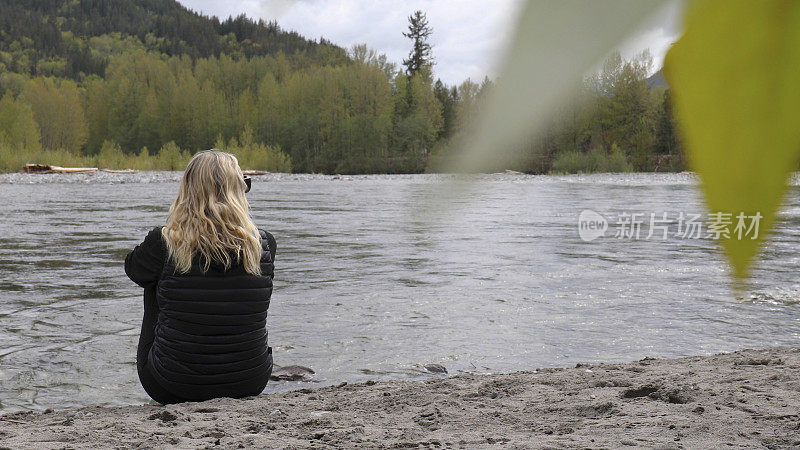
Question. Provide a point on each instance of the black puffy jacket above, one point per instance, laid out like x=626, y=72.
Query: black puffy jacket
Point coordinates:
x=210, y=337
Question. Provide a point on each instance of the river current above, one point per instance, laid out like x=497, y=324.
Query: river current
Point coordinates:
x=378, y=276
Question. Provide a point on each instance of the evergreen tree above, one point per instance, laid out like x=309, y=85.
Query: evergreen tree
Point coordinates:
x=447, y=98
x=666, y=136
x=421, y=54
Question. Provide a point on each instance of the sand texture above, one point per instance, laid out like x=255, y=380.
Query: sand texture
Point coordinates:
x=747, y=399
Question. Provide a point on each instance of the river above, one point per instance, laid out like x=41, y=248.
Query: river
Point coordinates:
x=377, y=276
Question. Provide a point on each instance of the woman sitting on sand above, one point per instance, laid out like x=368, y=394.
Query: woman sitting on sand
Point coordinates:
x=207, y=279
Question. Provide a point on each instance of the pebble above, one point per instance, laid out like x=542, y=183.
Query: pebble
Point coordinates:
x=435, y=368
x=292, y=373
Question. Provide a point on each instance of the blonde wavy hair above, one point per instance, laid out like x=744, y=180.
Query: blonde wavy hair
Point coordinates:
x=211, y=216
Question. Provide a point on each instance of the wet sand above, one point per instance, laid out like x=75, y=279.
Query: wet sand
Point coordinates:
x=745, y=399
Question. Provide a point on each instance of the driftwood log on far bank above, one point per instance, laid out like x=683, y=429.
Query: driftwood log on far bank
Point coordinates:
x=120, y=170
x=46, y=168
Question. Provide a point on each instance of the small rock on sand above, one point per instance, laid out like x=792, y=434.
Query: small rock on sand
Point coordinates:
x=291, y=373
x=435, y=368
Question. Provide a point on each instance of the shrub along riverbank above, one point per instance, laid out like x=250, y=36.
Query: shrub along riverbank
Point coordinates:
x=251, y=155
x=257, y=156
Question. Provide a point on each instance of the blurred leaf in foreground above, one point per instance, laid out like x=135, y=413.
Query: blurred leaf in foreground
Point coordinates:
x=735, y=76
x=555, y=45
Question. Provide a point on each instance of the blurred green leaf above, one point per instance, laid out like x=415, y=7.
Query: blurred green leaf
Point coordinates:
x=735, y=76
x=555, y=45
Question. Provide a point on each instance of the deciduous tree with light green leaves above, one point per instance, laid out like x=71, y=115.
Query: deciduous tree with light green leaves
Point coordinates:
x=58, y=111
x=18, y=129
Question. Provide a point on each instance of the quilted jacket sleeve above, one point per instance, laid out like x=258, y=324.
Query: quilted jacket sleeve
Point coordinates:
x=269, y=247
x=144, y=264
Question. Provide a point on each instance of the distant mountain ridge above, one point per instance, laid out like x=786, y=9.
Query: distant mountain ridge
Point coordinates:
x=657, y=80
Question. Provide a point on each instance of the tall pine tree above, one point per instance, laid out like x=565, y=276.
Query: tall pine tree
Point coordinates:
x=418, y=31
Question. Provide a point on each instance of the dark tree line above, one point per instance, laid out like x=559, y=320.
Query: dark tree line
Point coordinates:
x=51, y=37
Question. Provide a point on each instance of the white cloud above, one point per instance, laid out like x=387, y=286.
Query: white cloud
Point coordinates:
x=657, y=34
x=468, y=35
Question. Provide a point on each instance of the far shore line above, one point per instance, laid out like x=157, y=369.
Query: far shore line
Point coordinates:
x=79, y=172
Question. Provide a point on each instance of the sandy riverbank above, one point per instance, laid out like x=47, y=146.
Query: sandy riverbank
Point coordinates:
x=744, y=399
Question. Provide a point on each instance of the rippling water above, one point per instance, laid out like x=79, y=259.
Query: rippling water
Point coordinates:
x=370, y=284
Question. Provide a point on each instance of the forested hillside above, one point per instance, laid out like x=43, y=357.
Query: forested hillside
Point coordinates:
x=144, y=84
x=75, y=38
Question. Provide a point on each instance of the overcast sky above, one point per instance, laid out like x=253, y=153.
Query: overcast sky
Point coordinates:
x=468, y=35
